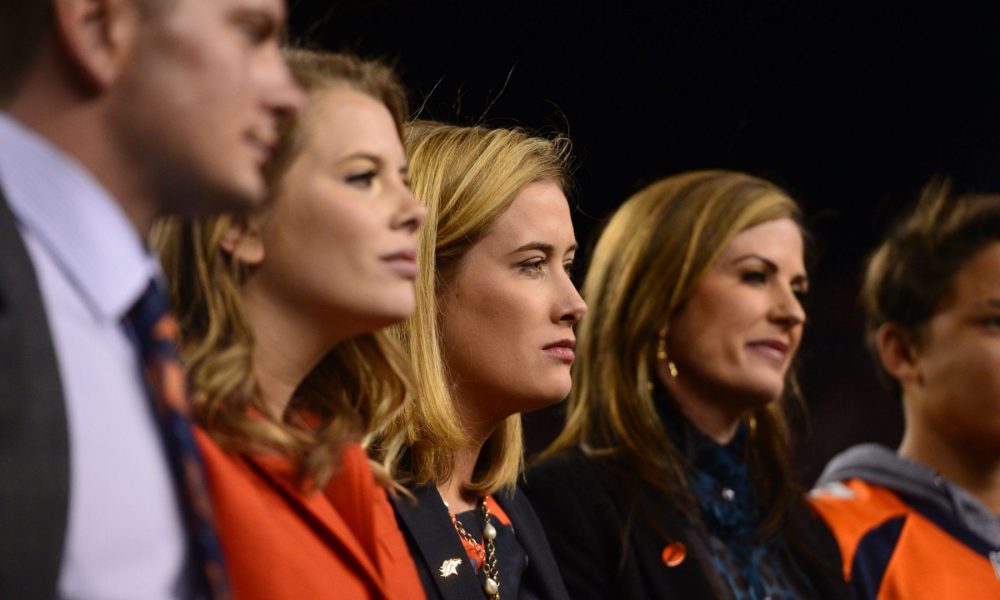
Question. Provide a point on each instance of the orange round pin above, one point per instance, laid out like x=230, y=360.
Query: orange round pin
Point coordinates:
x=674, y=554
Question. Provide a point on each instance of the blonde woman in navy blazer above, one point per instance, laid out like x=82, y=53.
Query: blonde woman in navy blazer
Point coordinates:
x=492, y=337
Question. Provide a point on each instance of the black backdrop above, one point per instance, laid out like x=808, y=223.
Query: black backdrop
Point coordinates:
x=851, y=106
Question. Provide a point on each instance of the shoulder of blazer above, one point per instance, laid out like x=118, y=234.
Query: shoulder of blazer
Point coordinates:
x=626, y=518
x=34, y=456
x=542, y=566
x=433, y=541
x=569, y=472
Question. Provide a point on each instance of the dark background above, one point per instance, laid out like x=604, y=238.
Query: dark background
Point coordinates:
x=851, y=106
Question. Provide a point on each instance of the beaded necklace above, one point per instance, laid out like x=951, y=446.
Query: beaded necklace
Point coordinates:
x=486, y=551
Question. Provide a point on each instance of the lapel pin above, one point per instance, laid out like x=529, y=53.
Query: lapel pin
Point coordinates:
x=674, y=554
x=449, y=567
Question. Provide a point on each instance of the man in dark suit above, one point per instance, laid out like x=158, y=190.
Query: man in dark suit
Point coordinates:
x=112, y=113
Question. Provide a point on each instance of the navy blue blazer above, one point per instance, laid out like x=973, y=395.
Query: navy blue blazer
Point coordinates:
x=34, y=441
x=431, y=537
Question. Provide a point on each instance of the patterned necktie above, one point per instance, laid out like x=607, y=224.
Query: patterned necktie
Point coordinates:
x=158, y=334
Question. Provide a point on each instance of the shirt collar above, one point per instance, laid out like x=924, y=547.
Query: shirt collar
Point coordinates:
x=78, y=223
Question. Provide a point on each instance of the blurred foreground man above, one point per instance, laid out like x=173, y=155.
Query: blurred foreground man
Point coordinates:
x=112, y=113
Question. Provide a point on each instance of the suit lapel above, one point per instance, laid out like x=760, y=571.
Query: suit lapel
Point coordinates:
x=34, y=455
x=430, y=527
x=542, y=568
x=316, y=510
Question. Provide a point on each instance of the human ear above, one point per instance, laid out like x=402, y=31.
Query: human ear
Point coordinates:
x=97, y=37
x=898, y=352
x=242, y=241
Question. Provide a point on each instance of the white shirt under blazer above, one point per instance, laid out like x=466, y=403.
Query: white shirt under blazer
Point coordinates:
x=124, y=536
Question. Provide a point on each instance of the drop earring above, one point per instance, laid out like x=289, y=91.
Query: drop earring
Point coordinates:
x=661, y=354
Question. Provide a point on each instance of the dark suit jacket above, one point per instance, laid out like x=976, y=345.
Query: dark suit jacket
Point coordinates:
x=432, y=540
x=609, y=541
x=34, y=443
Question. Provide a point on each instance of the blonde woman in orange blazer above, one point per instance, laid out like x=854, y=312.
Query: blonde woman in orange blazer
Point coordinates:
x=281, y=315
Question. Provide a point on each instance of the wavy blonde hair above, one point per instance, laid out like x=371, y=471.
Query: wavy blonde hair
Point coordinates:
x=468, y=177
x=646, y=264
x=355, y=388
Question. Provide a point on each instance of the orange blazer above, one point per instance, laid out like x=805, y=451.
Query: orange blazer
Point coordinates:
x=340, y=542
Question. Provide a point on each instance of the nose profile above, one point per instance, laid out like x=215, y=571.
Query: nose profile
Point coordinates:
x=280, y=93
x=574, y=307
x=412, y=212
x=788, y=309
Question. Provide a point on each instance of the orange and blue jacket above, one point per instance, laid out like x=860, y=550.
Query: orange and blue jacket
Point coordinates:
x=903, y=545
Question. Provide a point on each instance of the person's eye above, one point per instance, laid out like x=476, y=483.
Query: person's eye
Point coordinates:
x=362, y=179
x=568, y=267
x=991, y=322
x=533, y=266
x=801, y=294
x=753, y=277
x=255, y=29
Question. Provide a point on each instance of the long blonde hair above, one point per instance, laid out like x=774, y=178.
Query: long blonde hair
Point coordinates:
x=646, y=264
x=468, y=177
x=355, y=388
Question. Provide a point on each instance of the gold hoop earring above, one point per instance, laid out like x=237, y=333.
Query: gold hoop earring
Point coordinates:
x=661, y=355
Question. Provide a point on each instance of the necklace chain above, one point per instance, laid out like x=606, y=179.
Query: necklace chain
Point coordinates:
x=486, y=551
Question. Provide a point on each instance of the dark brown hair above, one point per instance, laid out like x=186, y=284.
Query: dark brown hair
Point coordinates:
x=910, y=274
x=23, y=25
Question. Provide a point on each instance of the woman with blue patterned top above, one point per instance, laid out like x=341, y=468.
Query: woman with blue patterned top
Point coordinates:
x=672, y=478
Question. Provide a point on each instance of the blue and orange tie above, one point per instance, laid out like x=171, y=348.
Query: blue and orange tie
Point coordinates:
x=158, y=335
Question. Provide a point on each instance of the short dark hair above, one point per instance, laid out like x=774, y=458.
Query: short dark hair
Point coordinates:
x=909, y=275
x=23, y=24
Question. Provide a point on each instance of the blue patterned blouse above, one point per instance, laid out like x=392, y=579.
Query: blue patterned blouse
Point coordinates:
x=747, y=568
